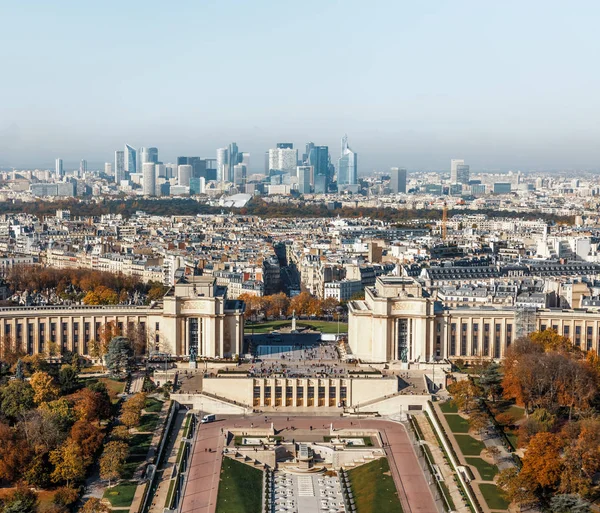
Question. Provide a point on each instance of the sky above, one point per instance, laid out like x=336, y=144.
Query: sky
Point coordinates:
x=503, y=85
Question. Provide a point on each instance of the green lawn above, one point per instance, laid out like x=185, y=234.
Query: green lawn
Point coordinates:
x=323, y=326
x=374, y=489
x=139, y=444
x=240, y=488
x=486, y=470
x=448, y=407
x=148, y=422
x=468, y=445
x=493, y=497
x=457, y=423
x=121, y=496
x=153, y=405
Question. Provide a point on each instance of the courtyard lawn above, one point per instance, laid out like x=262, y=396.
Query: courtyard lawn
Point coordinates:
x=486, y=470
x=121, y=496
x=468, y=445
x=493, y=496
x=240, y=488
x=374, y=489
x=139, y=444
x=457, y=423
x=148, y=423
x=322, y=326
x=113, y=386
x=448, y=407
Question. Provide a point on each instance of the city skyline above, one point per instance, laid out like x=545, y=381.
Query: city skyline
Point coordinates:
x=509, y=99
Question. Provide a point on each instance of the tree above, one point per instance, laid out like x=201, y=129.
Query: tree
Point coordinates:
x=38, y=473
x=112, y=459
x=493, y=452
x=68, y=379
x=17, y=398
x=491, y=381
x=94, y=505
x=90, y=405
x=44, y=389
x=119, y=358
x=19, y=371
x=88, y=437
x=130, y=418
x=97, y=350
x=542, y=463
x=550, y=340
x=581, y=457
x=464, y=394
x=120, y=433
x=478, y=421
x=65, y=496
x=46, y=429
x=68, y=463
x=568, y=503
x=14, y=453
x=515, y=487
x=21, y=500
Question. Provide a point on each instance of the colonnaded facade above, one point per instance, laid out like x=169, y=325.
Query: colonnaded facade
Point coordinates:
x=194, y=316
x=398, y=321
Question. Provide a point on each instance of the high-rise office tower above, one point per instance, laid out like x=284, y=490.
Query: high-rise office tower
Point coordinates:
x=58, y=169
x=153, y=155
x=285, y=146
x=171, y=170
x=149, y=178
x=234, y=158
x=318, y=158
x=184, y=173
x=147, y=155
x=119, y=166
x=130, y=161
x=305, y=174
x=305, y=155
x=462, y=174
x=454, y=163
x=82, y=166
x=284, y=160
x=161, y=171
x=245, y=159
x=222, y=164
x=108, y=169
x=397, y=180
x=347, y=165
x=239, y=174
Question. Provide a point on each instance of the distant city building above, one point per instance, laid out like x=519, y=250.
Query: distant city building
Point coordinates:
x=397, y=180
x=58, y=168
x=502, y=188
x=184, y=173
x=197, y=185
x=284, y=160
x=318, y=158
x=234, y=158
x=285, y=146
x=462, y=174
x=239, y=174
x=149, y=178
x=347, y=165
x=83, y=166
x=454, y=163
x=161, y=171
x=63, y=189
x=119, y=166
x=305, y=174
x=222, y=164
x=108, y=169
x=130, y=160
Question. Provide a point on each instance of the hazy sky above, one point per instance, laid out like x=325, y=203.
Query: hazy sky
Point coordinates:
x=504, y=85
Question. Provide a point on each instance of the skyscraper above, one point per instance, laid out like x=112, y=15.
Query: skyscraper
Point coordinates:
x=119, y=166
x=285, y=146
x=149, y=178
x=184, y=173
x=462, y=174
x=239, y=174
x=284, y=160
x=58, y=169
x=234, y=158
x=108, y=169
x=222, y=164
x=130, y=160
x=318, y=158
x=397, y=180
x=454, y=163
x=304, y=179
x=347, y=165
x=147, y=155
x=82, y=166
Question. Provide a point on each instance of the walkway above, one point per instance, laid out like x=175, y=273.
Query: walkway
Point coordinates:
x=165, y=470
x=202, y=486
x=445, y=469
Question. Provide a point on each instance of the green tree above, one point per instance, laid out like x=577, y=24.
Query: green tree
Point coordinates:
x=19, y=370
x=67, y=379
x=491, y=381
x=21, y=500
x=119, y=358
x=568, y=503
x=17, y=398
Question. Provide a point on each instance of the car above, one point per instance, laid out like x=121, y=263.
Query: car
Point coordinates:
x=208, y=418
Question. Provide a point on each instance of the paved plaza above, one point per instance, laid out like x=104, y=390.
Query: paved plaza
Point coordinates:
x=314, y=493
x=200, y=495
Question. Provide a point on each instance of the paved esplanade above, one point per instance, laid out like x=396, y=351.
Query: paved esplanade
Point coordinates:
x=204, y=470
